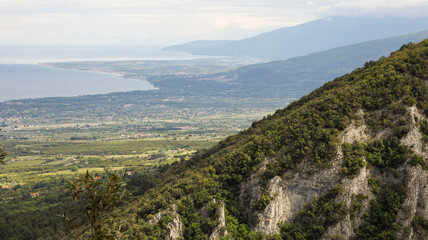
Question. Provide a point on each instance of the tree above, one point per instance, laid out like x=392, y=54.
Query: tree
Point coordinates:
x=2, y=154
x=95, y=198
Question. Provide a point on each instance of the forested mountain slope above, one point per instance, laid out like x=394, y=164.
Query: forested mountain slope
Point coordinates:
x=308, y=72
x=346, y=161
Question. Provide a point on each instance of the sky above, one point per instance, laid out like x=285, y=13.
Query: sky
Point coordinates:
x=166, y=22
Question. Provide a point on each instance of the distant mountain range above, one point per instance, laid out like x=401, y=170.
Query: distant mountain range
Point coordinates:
x=294, y=77
x=313, y=70
x=310, y=37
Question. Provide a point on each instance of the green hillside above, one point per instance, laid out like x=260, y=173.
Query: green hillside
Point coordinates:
x=215, y=191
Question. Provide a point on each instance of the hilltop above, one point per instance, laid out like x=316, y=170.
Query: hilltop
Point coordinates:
x=346, y=161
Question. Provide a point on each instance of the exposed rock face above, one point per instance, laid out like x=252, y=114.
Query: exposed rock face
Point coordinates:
x=352, y=189
x=251, y=187
x=417, y=179
x=417, y=199
x=414, y=138
x=156, y=218
x=288, y=194
x=355, y=133
x=175, y=228
x=220, y=231
x=279, y=208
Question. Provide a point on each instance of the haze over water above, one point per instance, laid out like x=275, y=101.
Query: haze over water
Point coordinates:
x=41, y=54
x=19, y=81
x=21, y=77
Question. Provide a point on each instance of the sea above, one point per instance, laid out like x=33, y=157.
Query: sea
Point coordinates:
x=23, y=75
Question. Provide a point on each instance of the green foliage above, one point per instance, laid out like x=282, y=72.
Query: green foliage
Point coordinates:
x=387, y=153
x=96, y=148
x=415, y=160
x=357, y=202
x=420, y=226
x=236, y=230
x=353, y=158
x=37, y=224
x=2, y=154
x=382, y=153
x=262, y=202
x=24, y=217
x=374, y=184
x=97, y=199
x=196, y=226
x=401, y=131
x=380, y=222
x=244, y=232
x=401, y=127
x=139, y=183
x=424, y=129
x=378, y=121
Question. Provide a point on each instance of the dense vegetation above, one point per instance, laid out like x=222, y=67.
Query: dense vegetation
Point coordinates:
x=95, y=198
x=380, y=222
x=420, y=225
x=306, y=131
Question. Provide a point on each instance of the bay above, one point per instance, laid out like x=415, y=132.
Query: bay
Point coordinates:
x=22, y=81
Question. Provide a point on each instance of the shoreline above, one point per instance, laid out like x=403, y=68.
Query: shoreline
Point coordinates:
x=118, y=77
x=81, y=70
x=119, y=74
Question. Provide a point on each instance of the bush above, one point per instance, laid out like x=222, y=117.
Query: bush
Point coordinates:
x=353, y=158
x=380, y=222
x=374, y=184
x=420, y=226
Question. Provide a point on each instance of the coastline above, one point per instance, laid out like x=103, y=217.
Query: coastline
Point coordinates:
x=119, y=74
x=82, y=70
x=41, y=86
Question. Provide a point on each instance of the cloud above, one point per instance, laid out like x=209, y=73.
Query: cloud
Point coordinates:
x=173, y=21
x=377, y=8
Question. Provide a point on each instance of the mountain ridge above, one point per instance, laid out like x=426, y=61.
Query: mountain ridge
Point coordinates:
x=306, y=38
x=290, y=78
x=334, y=63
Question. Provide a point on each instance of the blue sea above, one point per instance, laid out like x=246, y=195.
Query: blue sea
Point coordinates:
x=20, y=81
x=21, y=75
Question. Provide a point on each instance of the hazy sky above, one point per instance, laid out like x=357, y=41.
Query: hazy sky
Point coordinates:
x=164, y=22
